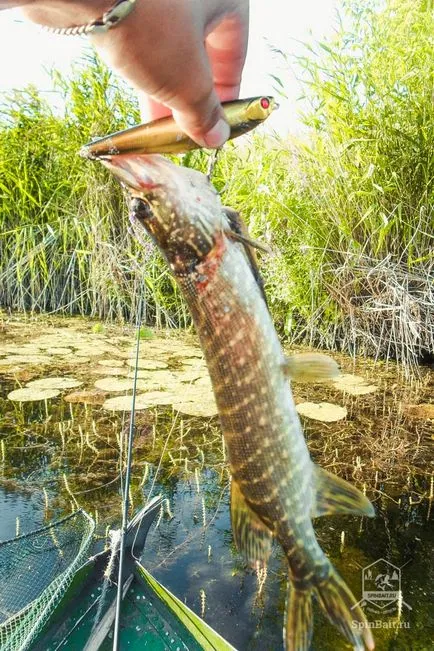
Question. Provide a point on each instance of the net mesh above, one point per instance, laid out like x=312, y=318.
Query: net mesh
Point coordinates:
x=35, y=571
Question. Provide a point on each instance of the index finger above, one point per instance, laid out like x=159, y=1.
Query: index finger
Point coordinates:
x=226, y=46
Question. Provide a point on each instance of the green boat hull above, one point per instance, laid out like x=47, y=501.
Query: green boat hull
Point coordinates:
x=151, y=616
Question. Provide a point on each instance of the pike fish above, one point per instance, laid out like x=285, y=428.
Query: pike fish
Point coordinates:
x=163, y=136
x=276, y=489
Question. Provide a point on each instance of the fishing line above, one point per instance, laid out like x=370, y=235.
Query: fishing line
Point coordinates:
x=126, y=488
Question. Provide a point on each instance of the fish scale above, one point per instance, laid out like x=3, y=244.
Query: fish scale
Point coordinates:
x=276, y=489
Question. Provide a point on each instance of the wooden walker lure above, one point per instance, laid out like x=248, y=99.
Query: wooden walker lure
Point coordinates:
x=164, y=136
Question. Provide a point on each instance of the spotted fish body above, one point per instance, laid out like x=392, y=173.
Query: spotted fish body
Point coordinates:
x=276, y=489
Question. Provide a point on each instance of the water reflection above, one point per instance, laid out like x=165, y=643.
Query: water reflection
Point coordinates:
x=20, y=512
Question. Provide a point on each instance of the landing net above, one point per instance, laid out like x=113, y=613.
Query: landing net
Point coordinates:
x=35, y=571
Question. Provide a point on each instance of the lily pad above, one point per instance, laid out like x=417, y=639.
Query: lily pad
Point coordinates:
x=194, y=362
x=20, y=349
x=191, y=375
x=90, y=352
x=115, y=384
x=355, y=385
x=72, y=359
x=358, y=390
x=89, y=397
x=162, y=378
x=104, y=370
x=204, y=408
x=59, y=351
x=32, y=394
x=204, y=382
x=325, y=412
x=148, y=364
x=192, y=353
x=111, y=362
x=350, y=380
x=55, y=383
x=143, y=401
x=25, y=359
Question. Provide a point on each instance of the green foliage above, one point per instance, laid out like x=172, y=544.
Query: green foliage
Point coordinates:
x=146, y=333
x=64, y=243
x=367, y=173
x=370, y=161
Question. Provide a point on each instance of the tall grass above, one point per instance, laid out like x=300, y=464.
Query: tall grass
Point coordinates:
x=64, y=242
x=348, y=210
x=350, y=207
x=368, y=174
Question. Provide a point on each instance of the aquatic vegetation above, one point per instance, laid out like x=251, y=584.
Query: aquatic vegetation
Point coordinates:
x=116, y=385
x=354, y=385
x=148, y=364
x=146, y=333
x=379, y=445
x=108, y=370
x=32, y=394
x=143, y=401
x=326, y=412
x=12, y=360
x=114, y=363
x=401, y=412
x=55, y=383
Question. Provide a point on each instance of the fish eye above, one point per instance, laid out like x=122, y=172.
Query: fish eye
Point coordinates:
x=265, y=102
x=140, y=209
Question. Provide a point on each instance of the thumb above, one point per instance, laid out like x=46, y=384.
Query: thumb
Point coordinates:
x=187, y=88
x=204, y=121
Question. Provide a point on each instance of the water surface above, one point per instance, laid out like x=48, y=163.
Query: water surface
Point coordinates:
x=56, y=455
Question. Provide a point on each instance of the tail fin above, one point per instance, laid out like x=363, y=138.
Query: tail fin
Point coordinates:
x=298, y=629
x=338, y=603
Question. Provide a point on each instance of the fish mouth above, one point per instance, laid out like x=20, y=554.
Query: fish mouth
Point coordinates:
x=140, y=174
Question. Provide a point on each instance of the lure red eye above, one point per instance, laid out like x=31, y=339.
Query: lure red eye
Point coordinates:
x=265, y=103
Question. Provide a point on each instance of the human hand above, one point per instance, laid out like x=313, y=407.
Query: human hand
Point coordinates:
x=183, y=56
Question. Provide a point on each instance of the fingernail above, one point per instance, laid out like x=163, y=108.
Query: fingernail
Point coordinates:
x=217, y=136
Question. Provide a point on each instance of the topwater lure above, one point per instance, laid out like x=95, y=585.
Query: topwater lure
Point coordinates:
x=164, y=136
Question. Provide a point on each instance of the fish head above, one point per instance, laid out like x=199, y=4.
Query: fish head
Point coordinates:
x=177, y=206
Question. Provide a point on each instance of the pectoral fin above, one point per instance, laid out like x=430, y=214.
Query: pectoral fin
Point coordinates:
x=238, y=232
x=252, y=538
x=248, y=242
x=335, y=495
x=310, y=367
